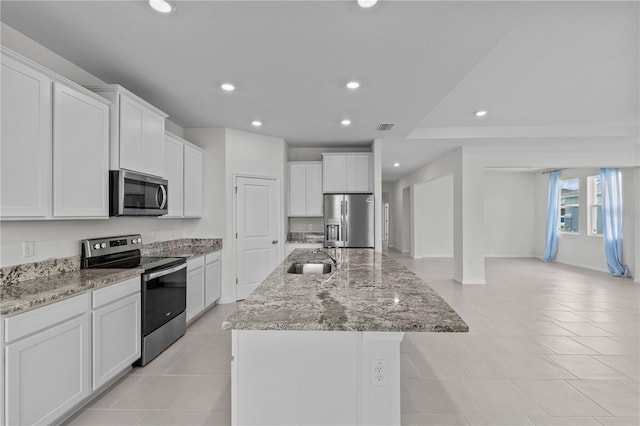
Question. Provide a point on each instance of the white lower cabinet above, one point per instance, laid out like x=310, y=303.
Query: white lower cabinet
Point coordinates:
x=204, y=283
x=57, y=355
x=195, y=287
x=213, y=278
x=116, y=330
x=48, y=371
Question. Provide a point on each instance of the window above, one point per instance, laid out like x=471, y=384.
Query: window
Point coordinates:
x=595, y=205
x=569, y=206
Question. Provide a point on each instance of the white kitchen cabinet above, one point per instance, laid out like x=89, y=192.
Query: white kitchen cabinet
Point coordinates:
x=137, y=131
x=80, y=153
x=347, y=172
x=289, y=247
x=195, y=287
x=213, y=277
x=305, y=189
x=25, y=144
x=173, y=172
x=47, y=361
x=193, y=188
x=116, y=329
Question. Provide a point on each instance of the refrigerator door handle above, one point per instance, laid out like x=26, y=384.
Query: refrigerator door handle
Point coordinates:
x=344, y=222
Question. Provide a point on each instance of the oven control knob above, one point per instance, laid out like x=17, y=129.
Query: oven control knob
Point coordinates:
x=139, y=240
x=103, y=245
x=96, y=246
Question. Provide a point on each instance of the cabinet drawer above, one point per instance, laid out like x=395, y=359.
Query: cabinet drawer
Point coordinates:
x=21, y=325
x=195, y=263
x=116, y=291
x=212, y=257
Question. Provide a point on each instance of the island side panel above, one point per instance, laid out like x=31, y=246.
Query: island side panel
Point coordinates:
x=314, y=377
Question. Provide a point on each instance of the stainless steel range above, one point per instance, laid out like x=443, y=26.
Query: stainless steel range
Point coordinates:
x=164, y=288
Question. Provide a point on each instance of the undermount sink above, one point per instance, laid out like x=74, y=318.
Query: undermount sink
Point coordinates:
x=310, y=268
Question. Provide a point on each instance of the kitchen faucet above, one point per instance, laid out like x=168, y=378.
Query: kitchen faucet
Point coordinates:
x=333, y=258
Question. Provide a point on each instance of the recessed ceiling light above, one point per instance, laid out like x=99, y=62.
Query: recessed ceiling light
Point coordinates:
x=161, y=6
x=346, y=122
x=353, y=85
x=256, y=123
x=227, y=87
x=367, y=3
x=480, y=113
x=396, y=164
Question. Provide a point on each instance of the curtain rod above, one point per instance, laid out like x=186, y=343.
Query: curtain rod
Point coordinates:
x=549, y=171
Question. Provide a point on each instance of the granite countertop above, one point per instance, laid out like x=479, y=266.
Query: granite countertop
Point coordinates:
x=22, y=296
x=368, y=292
x=305, y=237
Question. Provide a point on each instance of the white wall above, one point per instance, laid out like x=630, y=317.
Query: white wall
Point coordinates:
x=509, y=213
x=433, y=218
x=61, y=238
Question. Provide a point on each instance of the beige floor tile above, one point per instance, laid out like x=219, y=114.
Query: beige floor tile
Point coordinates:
x=152, y=393
x=565, y=421
x=485, y=420
x=433, y=420
x=487, y=366
x=619, y=421
x=607, y=345
x=108, y=397
x=172, y=418
x=97, y=417
x=211, y=362
x=585, y=329
x=439, y=396
x=500, y=398
x=617, y=398
x=558, y=398
x=564, y=345
x=536, y=366
x=586, y=367
x=206, y=393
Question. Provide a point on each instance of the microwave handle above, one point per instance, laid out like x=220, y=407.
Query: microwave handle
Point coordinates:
x=162, y=204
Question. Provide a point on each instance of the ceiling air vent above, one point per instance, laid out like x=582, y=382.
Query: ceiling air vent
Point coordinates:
x=382, y=127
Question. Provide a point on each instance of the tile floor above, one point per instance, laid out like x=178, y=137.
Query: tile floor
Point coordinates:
x=549, y=344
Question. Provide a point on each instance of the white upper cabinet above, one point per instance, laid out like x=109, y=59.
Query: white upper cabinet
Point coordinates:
x=80, y=154
x=137, y=132
x=305, y=189
x=53, y=130
x=193, y=188
x=25, y=147
x=347, y=172
x=173, y=172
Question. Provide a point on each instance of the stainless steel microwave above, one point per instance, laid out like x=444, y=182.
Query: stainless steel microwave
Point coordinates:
x=136, y=194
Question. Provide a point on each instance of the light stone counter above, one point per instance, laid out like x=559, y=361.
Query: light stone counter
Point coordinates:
x=368, y=292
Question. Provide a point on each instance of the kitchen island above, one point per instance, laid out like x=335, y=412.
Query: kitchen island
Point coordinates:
x=325, y=349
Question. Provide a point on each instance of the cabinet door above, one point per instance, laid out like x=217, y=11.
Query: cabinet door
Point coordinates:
x=297, y=189
x=25, y=144
x=195, y=292
x=358, y=173
x=214, y=281
x=314, y=190
x=116, y=338
x=173, y=172
x=80, y=154
x=48, y=373
x=153, y=144
x=334, y=177
x=192, y=181
x=131, y=153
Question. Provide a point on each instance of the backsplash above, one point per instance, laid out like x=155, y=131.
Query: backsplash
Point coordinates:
x=162, y=246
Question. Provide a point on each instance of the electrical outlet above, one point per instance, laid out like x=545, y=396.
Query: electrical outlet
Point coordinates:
x=379, y=372
x=28, y=248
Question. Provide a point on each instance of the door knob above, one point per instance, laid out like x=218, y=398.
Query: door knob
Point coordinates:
x=274, y=242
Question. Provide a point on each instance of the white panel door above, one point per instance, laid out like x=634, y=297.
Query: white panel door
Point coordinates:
x=131, y=154
x=314, y=189
x=25, y=144
x=193, y=185
x=80, y=154
x=152, y=143
x=48, y=373
x=174, y=173
x=297, y=189
x=116, y=338
x=257, y=213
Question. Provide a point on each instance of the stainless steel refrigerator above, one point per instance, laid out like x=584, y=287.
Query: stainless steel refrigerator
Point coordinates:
x=348, y=220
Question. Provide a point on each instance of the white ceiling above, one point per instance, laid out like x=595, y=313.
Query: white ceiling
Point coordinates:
x=561, y=71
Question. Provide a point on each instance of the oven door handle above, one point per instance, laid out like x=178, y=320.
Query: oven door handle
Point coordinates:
x=154, y=275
